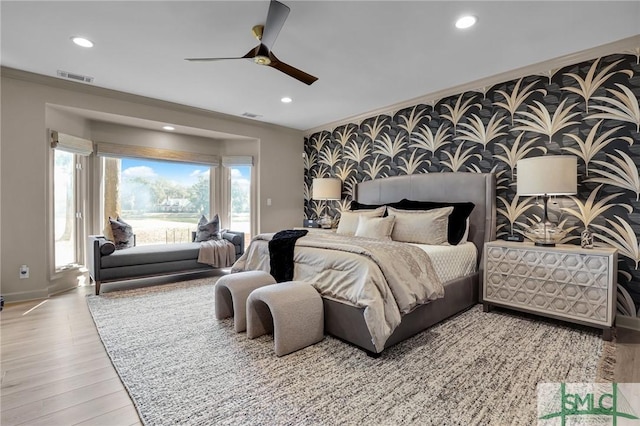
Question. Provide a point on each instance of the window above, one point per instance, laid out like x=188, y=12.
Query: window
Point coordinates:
x=240, y=208
x=161, y=200
x=64, y=210
x=69, y=198
x=238, y=196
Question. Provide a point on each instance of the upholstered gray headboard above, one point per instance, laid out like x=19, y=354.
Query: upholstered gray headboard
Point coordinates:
x=479, y=188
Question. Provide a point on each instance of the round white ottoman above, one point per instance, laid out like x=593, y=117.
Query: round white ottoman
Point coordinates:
x=231, y=293
x=292, y=310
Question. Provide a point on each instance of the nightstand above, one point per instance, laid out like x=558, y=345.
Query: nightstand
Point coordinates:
x=564, y=282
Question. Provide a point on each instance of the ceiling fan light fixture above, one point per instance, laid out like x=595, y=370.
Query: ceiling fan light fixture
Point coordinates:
x=466, y=21
x=262, y=60
x=81, y=41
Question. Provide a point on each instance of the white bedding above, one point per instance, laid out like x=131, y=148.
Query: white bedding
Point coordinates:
x=451, y=262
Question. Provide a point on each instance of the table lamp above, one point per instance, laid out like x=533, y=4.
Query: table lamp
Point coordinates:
x=545, y=176
x=326, y=189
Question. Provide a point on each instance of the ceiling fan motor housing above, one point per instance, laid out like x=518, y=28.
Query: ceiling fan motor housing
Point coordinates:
x=257, y=31
x=262, y=55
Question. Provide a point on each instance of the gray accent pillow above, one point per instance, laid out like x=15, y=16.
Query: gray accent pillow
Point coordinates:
x=122, y=233
x=106, y=247
x=208, y=230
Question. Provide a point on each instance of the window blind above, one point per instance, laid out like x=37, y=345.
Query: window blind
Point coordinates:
x=237, y=161
x=106, y=149
x=71, y=144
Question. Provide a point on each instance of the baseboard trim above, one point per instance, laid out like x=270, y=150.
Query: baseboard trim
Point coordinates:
x=624, y=321
x=57, y=289
x=25, y=296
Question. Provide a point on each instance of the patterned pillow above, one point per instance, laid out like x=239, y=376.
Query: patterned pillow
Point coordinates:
x=122, y=233
x=421, y=226
x=349, y=219
x=375, y=227
x=208, y=230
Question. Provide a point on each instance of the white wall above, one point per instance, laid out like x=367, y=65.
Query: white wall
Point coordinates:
x=24, y=152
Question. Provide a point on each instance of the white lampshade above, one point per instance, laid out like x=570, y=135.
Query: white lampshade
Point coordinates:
x=551, y=175
x=327, y=189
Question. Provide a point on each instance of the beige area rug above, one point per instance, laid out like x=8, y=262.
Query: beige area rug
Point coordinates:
x=181, y=366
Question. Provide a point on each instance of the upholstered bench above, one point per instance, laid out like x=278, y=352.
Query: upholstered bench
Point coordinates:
x=292, y=310
x=148, y=260
x=231, y=293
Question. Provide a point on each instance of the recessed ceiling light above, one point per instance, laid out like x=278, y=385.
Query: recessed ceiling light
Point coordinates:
x=286, y=100
x=466, y=22
x=169, y=128
x=81, y=41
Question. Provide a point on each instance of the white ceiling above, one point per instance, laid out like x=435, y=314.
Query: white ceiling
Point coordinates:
x=367, y=55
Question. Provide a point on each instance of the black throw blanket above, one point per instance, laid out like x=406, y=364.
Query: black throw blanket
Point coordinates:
x=281, y=249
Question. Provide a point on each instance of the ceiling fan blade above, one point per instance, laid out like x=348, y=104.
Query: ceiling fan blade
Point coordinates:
x=299, y=75
x=276, y=16
x=250, y=54
x=210, y=59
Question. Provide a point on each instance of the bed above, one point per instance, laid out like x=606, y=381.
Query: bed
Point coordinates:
x=351, y=323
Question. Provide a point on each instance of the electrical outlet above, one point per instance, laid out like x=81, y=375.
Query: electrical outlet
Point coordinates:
x=24, y=271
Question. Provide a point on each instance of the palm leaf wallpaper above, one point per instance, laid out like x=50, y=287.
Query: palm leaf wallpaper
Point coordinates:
x=590, y=110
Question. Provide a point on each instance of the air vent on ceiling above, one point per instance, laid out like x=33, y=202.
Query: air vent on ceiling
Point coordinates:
x=77, y=77
x=250, y=115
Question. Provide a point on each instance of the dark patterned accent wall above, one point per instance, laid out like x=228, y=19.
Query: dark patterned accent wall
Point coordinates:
x=590, y=110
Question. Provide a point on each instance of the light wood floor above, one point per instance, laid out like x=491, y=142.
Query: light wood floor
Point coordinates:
x=55, y=370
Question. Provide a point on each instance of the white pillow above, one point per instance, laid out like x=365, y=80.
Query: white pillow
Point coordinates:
x=349, y=219
x=421, y=226
x=375, y=227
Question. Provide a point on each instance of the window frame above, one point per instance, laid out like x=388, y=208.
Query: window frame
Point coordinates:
x=81, y=205
x=100, y=184
x=225, y=201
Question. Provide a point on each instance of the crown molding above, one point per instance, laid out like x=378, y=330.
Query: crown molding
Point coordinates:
x=630, y=45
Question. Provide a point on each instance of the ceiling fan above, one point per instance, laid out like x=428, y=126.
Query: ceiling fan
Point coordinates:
x=266, y=35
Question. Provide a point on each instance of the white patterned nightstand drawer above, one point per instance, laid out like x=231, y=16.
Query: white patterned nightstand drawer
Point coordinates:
x=574, y=300
x=560, y=267
x=564, y=282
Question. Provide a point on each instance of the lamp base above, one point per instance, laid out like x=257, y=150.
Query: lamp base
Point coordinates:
x=325, y=222
x=545, y=234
